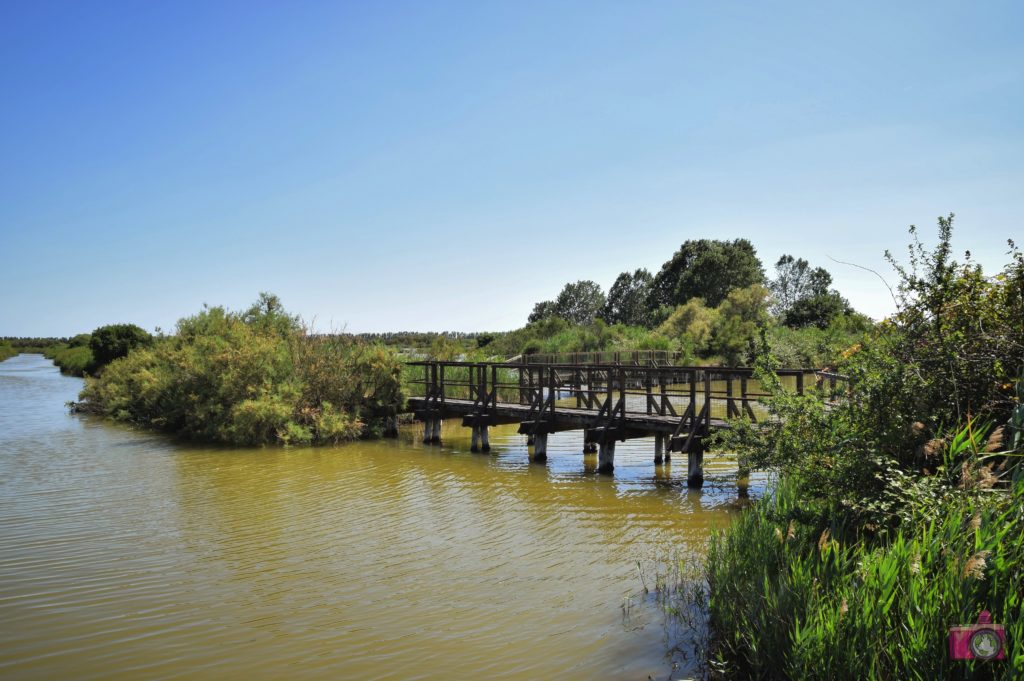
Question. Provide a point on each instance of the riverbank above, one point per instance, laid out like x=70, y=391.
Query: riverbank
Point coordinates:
x=900, y=509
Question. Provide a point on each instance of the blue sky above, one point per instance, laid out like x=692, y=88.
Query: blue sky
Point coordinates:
x=429, y=165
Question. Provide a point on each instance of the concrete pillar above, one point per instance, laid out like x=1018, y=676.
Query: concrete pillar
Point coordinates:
x=695, y=464
x=530, y=440
x=540, y=447
x=485, y=440
x=435, y=437
x=475, y=441
x=659, y=448
x=606, y=457
x=428, y=430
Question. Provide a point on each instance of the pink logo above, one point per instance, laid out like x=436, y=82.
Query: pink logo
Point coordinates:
x=981, y=641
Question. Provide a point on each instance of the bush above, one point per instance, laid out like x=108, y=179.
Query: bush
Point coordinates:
x=890, y=523
x=108, y=343
x=250, y=378
x=789, y=600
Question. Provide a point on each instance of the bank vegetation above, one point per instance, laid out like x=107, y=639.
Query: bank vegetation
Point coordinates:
x=249, y=378
x=898, y=512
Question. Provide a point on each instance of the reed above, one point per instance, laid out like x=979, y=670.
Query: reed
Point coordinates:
x=795, y=600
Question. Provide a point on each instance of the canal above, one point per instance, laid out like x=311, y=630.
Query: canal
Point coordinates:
x=127, y=554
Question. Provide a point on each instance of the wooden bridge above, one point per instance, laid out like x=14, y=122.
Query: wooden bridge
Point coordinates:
x=638, y=396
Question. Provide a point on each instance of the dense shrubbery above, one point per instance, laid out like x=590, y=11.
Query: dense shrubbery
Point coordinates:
x=6, y=351
x=251, y=378
x=894, y=474
x=73, y=356
x=108, y=343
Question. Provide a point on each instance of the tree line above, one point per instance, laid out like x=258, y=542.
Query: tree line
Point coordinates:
x=707, y=270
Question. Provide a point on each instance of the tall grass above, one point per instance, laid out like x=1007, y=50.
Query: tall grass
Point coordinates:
x=75, y=361
x=796, y=600
x=6, y=352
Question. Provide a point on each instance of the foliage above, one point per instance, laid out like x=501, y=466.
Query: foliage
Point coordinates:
x=802, y=296
x=695, y=321
x=7, y=351
x=886, y=470
x=578, y=303
x=628, y=299
x=792, y=599
x=114, y=341
x=707, y=269
x=815, y=347
x=76, y=360
x=254, y=377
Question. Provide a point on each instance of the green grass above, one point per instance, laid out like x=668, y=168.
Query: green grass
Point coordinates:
x=788, y=600
x=6, y=352
x=75, y=361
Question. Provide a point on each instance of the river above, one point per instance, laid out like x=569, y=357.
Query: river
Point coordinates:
x=130, y=555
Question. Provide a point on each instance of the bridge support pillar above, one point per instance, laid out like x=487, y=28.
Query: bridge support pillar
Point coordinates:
x=695, y=464
x=606, y=457
x=475, y=441
x=428, y=430
x=540, y=447
x=485, y=440
x=435, y=432
x=659, y=448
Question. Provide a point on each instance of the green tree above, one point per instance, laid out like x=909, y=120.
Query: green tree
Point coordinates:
x=708, y=269
x=802, y=296
x=114, y=341
x=627, y=299
x=741, y=316
x=692, y=322
x=578, y=303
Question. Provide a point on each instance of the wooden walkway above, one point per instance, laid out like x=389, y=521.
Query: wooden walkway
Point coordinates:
x=678, y=405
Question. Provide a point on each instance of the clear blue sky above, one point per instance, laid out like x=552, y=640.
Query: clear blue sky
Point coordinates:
x=428, y=165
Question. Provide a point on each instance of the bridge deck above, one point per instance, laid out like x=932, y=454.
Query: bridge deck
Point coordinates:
x=565, y=418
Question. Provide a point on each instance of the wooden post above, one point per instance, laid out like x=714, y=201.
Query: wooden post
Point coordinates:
x=693, y=392
x=659, y=448
x=540, y=447
x=485, y=441
x=606, y=457
x=475, y=441
x=695, y=464
x=707, y=399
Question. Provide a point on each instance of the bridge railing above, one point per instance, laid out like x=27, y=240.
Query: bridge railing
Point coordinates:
x=609, y=357
x=683, y=392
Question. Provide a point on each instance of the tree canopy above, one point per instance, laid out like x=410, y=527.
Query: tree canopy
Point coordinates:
x=579, y=303
x=708, y=269
x=628, y=299
x=802, y=294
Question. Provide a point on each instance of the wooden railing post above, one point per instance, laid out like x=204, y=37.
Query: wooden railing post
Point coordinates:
x=693, y=393
x=707, y=398
x=650, y=391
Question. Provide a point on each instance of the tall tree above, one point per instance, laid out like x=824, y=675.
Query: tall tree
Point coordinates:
x=802, y=294
x=627, y=299
x=708, y=269
x=578, y=303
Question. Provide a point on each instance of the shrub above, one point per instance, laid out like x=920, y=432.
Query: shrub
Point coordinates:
x=254, y=377
x=108, y=343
